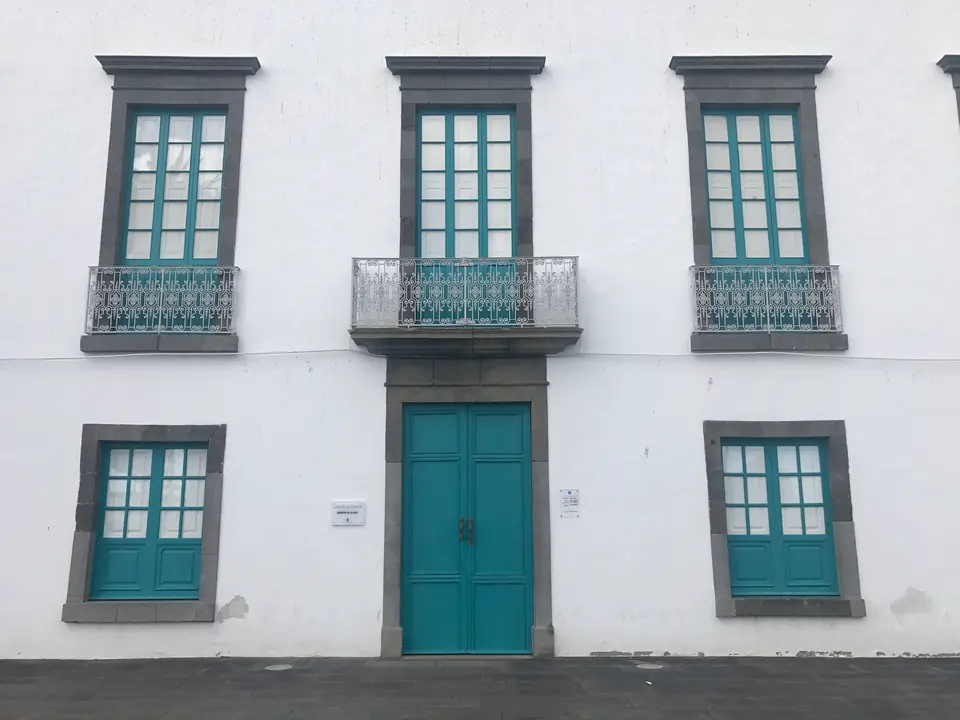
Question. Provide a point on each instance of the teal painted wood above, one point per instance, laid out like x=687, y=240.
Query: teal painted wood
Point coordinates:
x=779, y=521
x=469, y=592
x=141, y=563
x=777, y=155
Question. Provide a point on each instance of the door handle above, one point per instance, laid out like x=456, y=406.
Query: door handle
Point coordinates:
x=470, y=531
x=461, y=529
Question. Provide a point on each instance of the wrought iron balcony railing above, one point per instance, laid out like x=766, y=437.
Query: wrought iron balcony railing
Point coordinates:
x=448, y=293
x=767, y=298
x=161, y=300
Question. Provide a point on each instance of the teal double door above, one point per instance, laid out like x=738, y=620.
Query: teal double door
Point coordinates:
x=467, y=529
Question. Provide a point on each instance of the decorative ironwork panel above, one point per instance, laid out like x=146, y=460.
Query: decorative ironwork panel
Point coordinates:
x=501, y=292
x=765, y=298
x=161, y=299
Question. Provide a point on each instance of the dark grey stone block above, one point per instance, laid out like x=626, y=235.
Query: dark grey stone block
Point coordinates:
x=213, y=493
x=87, y=490
x=409, y=371
x=136, y=612
x=464, y=371
x=513, y=371
x=79, y=571
x=809, y=341
x=793, y=607
x=475, y=64
x=178, y=64
x=85, y=517
x=198, y=343
x=211, y=532
x=209, y=568
x=89, y=612
x=119, y=343
x=185, y=611
x=731, y=64
x=730, y=342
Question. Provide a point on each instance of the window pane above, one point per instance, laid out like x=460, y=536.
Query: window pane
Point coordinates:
x=718, y=157
x=790, y=243
x=193, y=493
x=211, y=157
x=176, y=186
x=754, y=214
x=205, y=245
x=809, y=458
x=721, y=214
x=792, y=524
x=171, y=245
x=465, y=157
x=498, y=186
x=500, y=244
x=433, y=215
x=787, y=458
x=466, y=186
x=733, y=459
x=498, y=157
x=715, y=128
x=789, y=489
x=499, y=214
x=816, y=523
x=169, y=523
x=181, y=129
x=148, y=129
x=173, y=463
x=751, y=186
x=719, y=186
x=119, y=462
x=210, y=186
x=784, y=157
x=812, y=489
x=213, y=128
x=757, y=490
x=736, y=521
x=116, y=493
x=759, y=521
x=498, y=128
x=113, y=524
x=733, y=490
x=466, y=216
x=143, y=186
x=136, y=523
x=142, y=459
x=467, y=244
x=465, y=128
x=756, y=244
x=433, y=186
x=433, y=157
x=433, y=245
x=751, y=157
x=139, y=493
x=138, y=246
x=786, y=186
x=781, y=128
x=432, y=128
x=208, y=215
x=788, y=214
x=145, y=157
x=192, y=524
x=196, y=462
x=748, y=128
x=172, y=490
x=724, y=243
x=141, y=216
x=178, y=157
x=174, y=216
x=754, y=457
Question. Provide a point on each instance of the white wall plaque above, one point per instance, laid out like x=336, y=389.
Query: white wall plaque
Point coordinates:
x=570, y=503
x=349, y=512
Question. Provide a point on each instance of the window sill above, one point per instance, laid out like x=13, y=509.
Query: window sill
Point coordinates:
x=159, y=342
x=138, y=611
x=812, y=607
x=786, y=341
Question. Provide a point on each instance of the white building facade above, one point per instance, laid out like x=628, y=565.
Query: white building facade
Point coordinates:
x=594, y=320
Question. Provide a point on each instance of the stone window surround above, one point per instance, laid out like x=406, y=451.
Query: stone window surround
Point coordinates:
x=180, y=82
x=761, y=80
x=950, y=64
x=516, y=380
x=849, y=603
x=79, y=608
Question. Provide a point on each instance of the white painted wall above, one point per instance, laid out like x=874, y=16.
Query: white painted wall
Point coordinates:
x=319, y=184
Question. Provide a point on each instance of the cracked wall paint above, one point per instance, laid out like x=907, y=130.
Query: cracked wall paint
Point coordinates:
x=236, y=609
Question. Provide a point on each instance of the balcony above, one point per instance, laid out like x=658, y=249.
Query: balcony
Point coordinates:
x=411, y=307
x=767, y=307
x=161, y=309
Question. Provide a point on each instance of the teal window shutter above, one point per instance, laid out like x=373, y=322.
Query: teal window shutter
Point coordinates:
x=174, y=183
x=754, y=187
x=150, y=522
x=779, y=527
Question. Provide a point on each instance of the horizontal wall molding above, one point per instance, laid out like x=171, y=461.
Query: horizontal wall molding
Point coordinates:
x=167, y=64
x=685, y=64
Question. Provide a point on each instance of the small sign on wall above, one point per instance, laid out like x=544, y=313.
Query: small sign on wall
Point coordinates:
x=349, y=512
x=570, y=503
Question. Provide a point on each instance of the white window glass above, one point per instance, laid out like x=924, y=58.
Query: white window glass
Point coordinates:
x=733, y=459
x=784, y=157
x=193, y=493
x=136, y=523
x=173, y=463
x=433, y=157
x=754, y=214
x=181, y=129
x=792, y=522
x=499, y=214
x=751, y=157
x=718, y=157
x=816, y=524
x=465, y=157
x=757, y=490
x=433, y=245
x=751, y=186
x=465, y=128
x=171, y=493
x=139, y=493
x=715, y=128
x=119, y=462
x=466, y=216
x=116, y=493
x=205, y=244
x=213, y=128
x=723, y=243
x=143, y=187
x=719, y=186
x=192, y=524
x=141, y=215
x=145, y=157
x=433, y=215
x=498, y=157
x=211, y=157
x=174, y=216
x=786, y=186
x=736, y=521
x=113, y=524
x=210, y=186
x=721, y=214
x=169, y=523
x=498, y=128
x=781, y=128
x=466, y=186
x=759, y=521
x=467, y=244
x=208, y=215
x=790, y=243
x=433, y=186
x=148, y=129
x=499, y=244
x=812, y=489
x=748, y=128
x=789, y=489
x=498, y=186
x=138, y=246
x=178, y=158
x=196, y=462
x=433, y=128
x=756, y=244
x=786, y=459
x=176, y=186
x=788, y=214
x=733, y=490
x=754, y=457
x=809, y=458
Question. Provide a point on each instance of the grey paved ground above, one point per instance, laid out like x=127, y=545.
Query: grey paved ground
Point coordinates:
x=492, y=689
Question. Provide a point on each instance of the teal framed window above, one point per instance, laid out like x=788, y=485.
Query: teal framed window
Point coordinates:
x=754, y=188
x=150, y=522
x=466, y=187
x=778, y=517
x=174, y=188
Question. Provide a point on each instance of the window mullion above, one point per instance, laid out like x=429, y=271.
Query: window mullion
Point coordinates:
x=736, y=193
x=483, y=248
x=450, y=174
x=159, y=189
x=769, y=191
x=773, y=503
x=193, y=189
